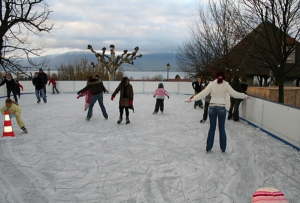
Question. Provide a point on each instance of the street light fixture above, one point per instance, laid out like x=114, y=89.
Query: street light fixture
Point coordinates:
x=168, y=68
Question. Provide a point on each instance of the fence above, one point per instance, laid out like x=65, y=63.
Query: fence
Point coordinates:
x=278, y=120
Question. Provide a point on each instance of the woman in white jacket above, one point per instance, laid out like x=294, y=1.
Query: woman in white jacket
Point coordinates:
x=218, y=89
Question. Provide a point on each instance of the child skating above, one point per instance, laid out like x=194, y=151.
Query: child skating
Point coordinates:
x=18, y=86
x=88, y=96
x=160, y=94
x=52, y=80
x=14, y=111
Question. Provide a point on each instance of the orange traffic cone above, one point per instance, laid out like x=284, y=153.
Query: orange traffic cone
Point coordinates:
x=7, y=128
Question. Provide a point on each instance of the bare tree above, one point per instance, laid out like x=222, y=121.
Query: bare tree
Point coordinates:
x=276, y=28
x=212, y=36
x=112, y=63
x=19, y=20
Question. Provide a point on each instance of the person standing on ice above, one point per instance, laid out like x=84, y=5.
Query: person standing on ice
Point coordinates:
x=10, y=86
x=38, y=82
x=126, y=98
x=88, y=97
x=52, y=80
x=97, y=89
x=218, y=89
x=160, y=94
x=14, y=111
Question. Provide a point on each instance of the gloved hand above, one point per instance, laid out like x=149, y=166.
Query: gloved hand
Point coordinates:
x=12, y=116
x=107, y=91
x=112, y=98
x=130, y=102
x=78, y=97
x=168, y=97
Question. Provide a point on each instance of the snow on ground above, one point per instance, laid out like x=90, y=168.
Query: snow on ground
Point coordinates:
x=156, y=158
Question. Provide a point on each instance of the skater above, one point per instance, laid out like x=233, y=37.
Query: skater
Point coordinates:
x=160, y=94
x=88, y=96
x=52, y=80
x=126, y=98
x=44, y=77
x=14, y=111
x=197, y=86
x=10, y=86
x=97, y=89
x=206, y=105
x=18, y=86
x=38, y=82
x=234, y=102
x=217, y=110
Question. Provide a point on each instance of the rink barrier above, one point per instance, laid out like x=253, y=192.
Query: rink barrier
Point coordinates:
x=277, y=120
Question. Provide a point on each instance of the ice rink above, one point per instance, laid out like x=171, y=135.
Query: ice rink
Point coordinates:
x=156, y=158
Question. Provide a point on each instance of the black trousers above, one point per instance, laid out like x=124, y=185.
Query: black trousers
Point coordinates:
x=122, y=110
x=205, y=110
x=234, y=106
x=14, y=93
x=159, y=105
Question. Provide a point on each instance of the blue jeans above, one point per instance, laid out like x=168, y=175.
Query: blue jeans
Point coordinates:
x=42, y=92
x=198, y=103
x=94, y=98
x=216, y=112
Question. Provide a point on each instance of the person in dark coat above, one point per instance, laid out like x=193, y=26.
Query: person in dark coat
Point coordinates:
x=10, y=86
x=234, y=102
x=126, y=98
x=197, y=86
x=38, y=82
x=44, y=76
x=97, y=89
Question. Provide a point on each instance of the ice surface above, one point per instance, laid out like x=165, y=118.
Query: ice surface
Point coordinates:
x=156, y=158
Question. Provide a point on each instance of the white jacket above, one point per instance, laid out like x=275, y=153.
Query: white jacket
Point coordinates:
x=218, y=92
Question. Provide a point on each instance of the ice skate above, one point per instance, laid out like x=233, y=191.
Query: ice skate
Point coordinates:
x=120, y=120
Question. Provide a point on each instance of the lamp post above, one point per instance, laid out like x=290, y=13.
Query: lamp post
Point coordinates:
x=168, y=68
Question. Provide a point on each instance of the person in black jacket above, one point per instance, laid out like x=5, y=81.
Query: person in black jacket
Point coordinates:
x=235, y=103
x=10, y=86
x=38, y=82
x=197, y=86
x=97, y=89
x=44, y=76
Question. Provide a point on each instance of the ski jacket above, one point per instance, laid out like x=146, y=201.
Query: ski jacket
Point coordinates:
x=14, y=109
x=95, y=86
x=160, y=93
x=52, y=81
x=38, y=83
x=197, y=87
x=10, y=84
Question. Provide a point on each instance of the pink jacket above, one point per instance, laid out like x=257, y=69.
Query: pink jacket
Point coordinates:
x=160, y=93
x=87, y=94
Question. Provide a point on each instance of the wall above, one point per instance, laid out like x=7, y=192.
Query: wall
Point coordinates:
x=291, y=94
x=278, y=120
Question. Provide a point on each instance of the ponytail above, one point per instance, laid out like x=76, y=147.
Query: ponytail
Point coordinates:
x=220, y=76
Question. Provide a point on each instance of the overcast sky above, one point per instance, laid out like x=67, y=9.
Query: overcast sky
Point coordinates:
x=153, y=26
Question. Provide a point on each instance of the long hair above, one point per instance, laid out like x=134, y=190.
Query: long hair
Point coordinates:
x=123, y=81
x=220, y=76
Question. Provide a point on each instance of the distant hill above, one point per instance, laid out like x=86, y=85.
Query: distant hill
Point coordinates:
x=148, y=62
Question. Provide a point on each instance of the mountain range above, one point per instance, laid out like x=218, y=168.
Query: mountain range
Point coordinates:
x=148, y=62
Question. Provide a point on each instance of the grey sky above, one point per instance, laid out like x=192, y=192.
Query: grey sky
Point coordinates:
x=154, y=26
